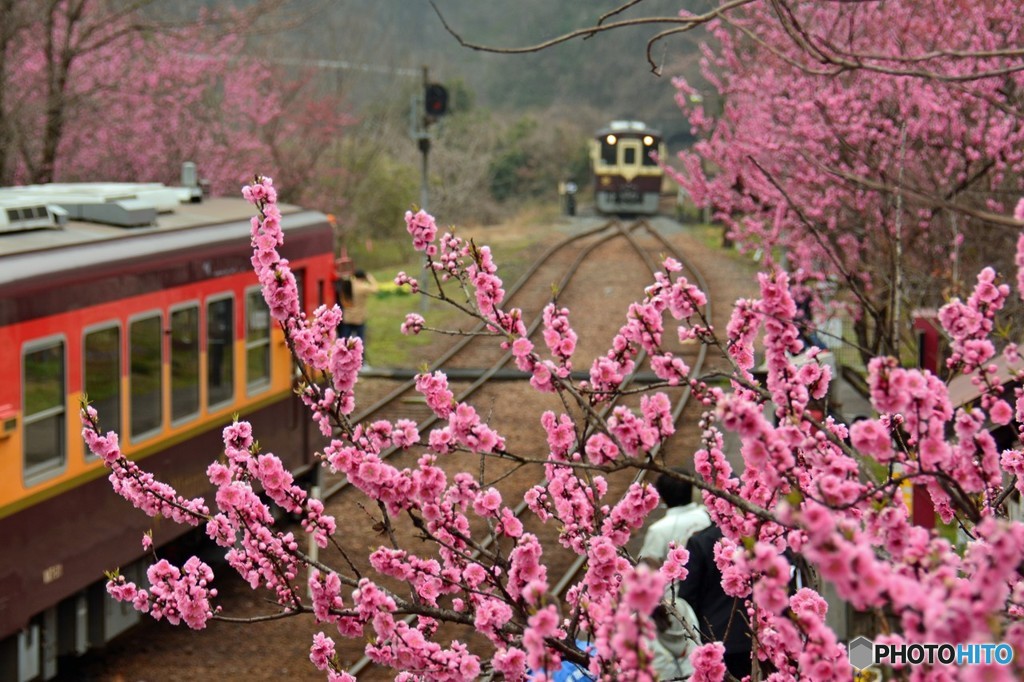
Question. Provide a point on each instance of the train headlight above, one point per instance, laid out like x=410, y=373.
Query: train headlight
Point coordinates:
x=611, y=139
x=648, y=140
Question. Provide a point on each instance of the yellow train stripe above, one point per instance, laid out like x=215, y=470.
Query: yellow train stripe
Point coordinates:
x=142, y=453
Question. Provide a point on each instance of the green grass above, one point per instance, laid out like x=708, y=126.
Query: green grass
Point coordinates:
x=386, y=345
x=382, y=254
x=710, y=235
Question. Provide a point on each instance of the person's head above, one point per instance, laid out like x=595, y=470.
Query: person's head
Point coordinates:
x=360, y=274
x=343, y=266
x=674, y=492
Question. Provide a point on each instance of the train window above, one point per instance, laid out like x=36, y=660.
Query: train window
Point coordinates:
x=257, y=340
x=300, y=285
x=609, y=152
x=629, y=155
x=220, y=351
x=145, y=381
x=43, y=409
x=184, y=363
x=101, y=375
x=649, y=146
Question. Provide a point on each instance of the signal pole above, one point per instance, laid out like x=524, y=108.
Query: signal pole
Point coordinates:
x=424, y=142
x=423, y=112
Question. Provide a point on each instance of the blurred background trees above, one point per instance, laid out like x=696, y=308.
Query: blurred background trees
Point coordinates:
x=95, y=90
x=874, y=150
x=111, y=90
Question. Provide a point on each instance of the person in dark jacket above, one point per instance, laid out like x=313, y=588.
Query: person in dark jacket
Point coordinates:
x=720, y=617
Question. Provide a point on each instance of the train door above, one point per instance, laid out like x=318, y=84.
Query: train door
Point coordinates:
x=299, y=413
x=630, y=154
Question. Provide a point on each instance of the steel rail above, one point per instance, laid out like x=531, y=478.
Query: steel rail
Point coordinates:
x=461, y=344
x=569, y=577
x=487, y=376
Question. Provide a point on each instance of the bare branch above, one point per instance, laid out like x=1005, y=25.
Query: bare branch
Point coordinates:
x=618, y=10
x=997, y=219
x=683, y=24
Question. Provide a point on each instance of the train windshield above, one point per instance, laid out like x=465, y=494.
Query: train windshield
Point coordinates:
x=609, y=152
x=650, y=145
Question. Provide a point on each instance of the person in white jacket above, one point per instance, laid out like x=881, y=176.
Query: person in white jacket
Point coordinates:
x=676, y=620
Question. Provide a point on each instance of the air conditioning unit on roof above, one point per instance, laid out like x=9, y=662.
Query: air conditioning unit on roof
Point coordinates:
x=27, y=213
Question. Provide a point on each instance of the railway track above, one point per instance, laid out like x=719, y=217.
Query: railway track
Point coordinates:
x=681, y=401
x=641, y=248
x=473, y=360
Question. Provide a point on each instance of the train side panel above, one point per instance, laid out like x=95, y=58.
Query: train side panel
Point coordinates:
x=168, y=341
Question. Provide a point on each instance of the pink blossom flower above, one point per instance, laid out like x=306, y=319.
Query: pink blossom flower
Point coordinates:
x=413, y=324
x=422, y=228
x=322, y=652
x=708, y=662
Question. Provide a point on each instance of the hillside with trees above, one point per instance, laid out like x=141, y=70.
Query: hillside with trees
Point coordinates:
x=129, y=91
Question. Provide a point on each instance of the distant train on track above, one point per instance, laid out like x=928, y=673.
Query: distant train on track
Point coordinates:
x=627, y=179
x=141, y=297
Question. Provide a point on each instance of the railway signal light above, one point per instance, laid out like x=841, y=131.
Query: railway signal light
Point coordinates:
x=436, y=99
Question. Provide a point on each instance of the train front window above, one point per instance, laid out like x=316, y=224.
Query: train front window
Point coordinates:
x=43, y=410
x=650, y=145
x=629, y=156
x=220, y=351
x=184, y=363
x=145, y=379
x=609, y=151
x=101, y=369
x=257, y=341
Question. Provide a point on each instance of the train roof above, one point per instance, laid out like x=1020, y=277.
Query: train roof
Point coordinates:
x=40, y=217
x=626, y=127
x=963, y=390
x=47, y=223
x=72, y=261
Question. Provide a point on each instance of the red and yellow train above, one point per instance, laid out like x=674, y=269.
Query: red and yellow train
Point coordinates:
x=143, y=299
